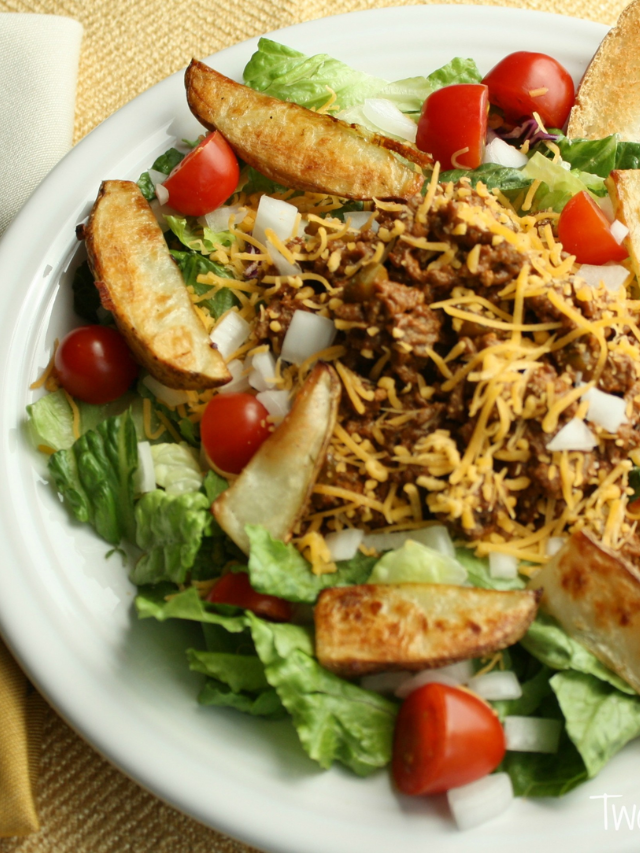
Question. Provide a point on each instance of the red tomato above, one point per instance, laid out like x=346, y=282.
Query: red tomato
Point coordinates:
x=236, y=589
x=205, y=179
x=523, y=83
x=232, y=428
x=444, y=737
x=95, y=364
x=453, y=125
x=585, y=232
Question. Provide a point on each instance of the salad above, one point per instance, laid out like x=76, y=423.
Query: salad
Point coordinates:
x=354, y=430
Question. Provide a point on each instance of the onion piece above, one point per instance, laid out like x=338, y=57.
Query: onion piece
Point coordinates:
x=385, y=114
x=239, y=382
x=162, y=193
x=263, y=371
x=359, y=218
x=496, y=685
x=613, y=276
x=218, y=220
x=452, y=675
x=156, y=177
x=575, y=435
x=277, y=403
x=384, y=682
x=532, y=734
x=605, y=410
x=307, y=334
x=144, y=479
x=230, y=333
x=480, y=801
x=168, y=396
x=503, y=565
x=344, y=544
x=619, y=231
x=555, y=544
x=279, y=261
x=435, y=536
x=276, y=214
x=500, y=152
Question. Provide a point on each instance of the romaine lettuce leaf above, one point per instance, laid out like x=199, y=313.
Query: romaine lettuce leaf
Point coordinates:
x=192, y=265
x=164, y=601
x=597, y=156
x=50, y=419
x=266, y=703
x=176, y=467
x=240, y=672
x=560, y=183
x=479, y=574
x=509, y=181
x=415, y=563
x=195, y=236
x=279, y=569
x=410, y=94
x=95, y=477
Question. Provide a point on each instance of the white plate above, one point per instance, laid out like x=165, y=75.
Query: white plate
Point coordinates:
x=67, y=612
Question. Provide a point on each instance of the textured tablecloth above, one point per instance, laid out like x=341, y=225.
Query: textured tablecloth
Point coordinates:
x=85, y=805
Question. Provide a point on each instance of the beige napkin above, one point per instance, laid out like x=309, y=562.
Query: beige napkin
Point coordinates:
x=38, y=73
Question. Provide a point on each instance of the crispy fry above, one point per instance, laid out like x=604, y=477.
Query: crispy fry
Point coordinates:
x=299, y=148
x=624, y=189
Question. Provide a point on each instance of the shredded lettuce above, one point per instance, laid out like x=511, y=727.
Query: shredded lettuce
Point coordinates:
x=415, y=563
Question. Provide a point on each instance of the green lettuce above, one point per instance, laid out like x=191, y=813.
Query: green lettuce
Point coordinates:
x=509, y=181
x=95, y=477
x=560, y=184
x=165, y=163
x=50, y=419
x=176, y=467
x=597, y=156
x=195, y=236
x=279, y=569
x=239, y=672
x=265, y=703
x=416, y=563
x=86, y=298
x=192, y=265
x=164, y=601
x=479, y=574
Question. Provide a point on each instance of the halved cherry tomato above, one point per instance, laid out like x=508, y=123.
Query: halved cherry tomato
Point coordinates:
x=585, y=232
x=232, y=428
x=205, y=178
x=95, y=364
x=523, y=83
x=453, y=125
x=444, y=737
x=235, y=588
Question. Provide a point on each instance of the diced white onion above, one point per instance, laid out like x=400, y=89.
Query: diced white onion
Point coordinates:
x=575, y=435
x=496, y=685
x=278, y=215
x=218, y=220
x=344, y=544
x=619, y=230
x=435, y=536
x=239, y=382
x=162, y=193
x=613, y=276
x=144, y=479
x=157, y=177
x=500, y=152
x=307, y=334
x=230, y=333
x=160, y=211
x=359, y=218
x=605, y=410
x=283, y=266
x=555, y=544
x=480, y=801
x=168, y=396
x=263, y=371
x=606, y=206
x=384, y=682
x=532, y=734
x=277, y=403
x=452, y=675
x=503, y=565
x=386, y=115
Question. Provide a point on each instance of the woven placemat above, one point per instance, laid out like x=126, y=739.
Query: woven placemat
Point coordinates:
x=86, y=805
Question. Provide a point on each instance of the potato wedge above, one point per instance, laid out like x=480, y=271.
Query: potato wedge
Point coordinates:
x=140, y=283
x=608, y=99
x=624, y=189
x=273, y=489
x=594, y=593
x=300, y=148
x=379, y=627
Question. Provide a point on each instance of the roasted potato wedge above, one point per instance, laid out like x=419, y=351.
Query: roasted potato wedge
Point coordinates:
x=273, y=489
x=594, y=594
x=608, y=99
x=140, y=283
x=300, y=148
x=379, y=627
x=624, y=189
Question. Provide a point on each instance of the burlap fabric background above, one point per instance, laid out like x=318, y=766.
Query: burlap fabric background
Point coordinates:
x=85, y=805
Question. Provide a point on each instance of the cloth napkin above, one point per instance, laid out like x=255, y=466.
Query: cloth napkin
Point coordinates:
x=38, y=72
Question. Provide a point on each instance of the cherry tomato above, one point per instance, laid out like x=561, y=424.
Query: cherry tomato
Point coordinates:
x=523, y=83
x=232, y=428
x=444, y=737
x=237, y=590
x=585, y=232
x=453, y=125
x=205, y=178
x=95, y=364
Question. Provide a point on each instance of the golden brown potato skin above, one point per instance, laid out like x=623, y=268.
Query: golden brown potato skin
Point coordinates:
x=624, y=189
x=299, y=148
x=274, y=487
x=594, y=594
x=379, y=627
x=142, y=286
